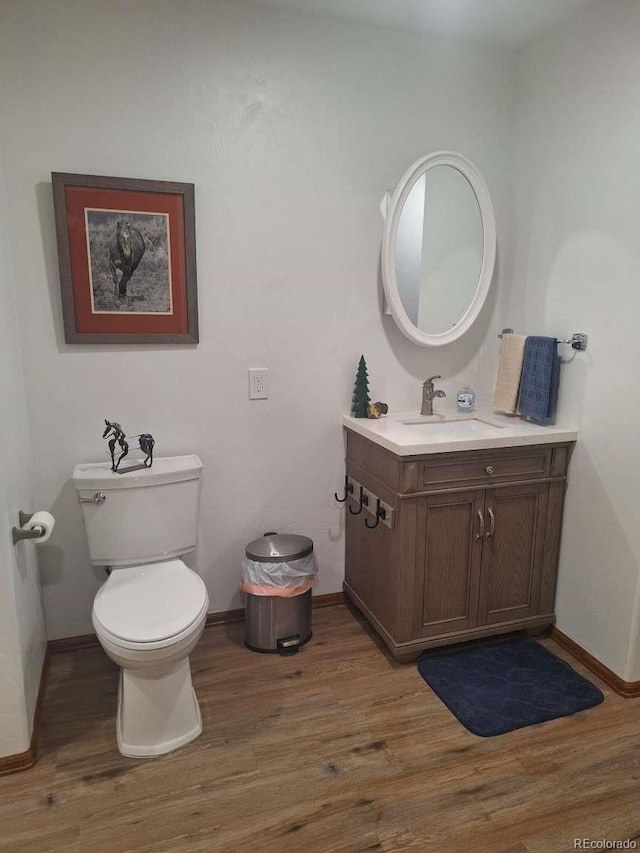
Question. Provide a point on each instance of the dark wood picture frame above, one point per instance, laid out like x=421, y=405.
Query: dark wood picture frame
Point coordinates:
x=73, y=196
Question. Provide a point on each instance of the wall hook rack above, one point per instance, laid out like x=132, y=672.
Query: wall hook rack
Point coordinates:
x=372, y=504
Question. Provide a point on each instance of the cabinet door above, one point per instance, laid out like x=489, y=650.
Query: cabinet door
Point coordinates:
x=448, y=556
x=513, y=552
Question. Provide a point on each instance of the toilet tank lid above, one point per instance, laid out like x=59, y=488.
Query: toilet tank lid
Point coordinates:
x=167, y=469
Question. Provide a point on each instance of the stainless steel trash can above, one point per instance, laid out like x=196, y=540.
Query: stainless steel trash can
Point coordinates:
x=278, y=623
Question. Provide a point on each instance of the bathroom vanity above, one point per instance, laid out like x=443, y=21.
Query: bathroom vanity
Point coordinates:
x=453, y=522
x=467, y=529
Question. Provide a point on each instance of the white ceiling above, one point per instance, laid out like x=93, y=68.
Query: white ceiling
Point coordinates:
x=512, y=23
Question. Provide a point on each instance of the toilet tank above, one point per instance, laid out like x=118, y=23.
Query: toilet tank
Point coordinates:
x=147, y=515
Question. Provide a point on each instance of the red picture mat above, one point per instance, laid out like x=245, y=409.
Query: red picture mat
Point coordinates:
x=79, y=198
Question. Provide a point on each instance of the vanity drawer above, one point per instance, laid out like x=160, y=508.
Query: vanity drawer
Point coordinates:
x=485, y=467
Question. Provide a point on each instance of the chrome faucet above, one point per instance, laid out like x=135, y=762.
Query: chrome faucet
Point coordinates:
x=428, y=393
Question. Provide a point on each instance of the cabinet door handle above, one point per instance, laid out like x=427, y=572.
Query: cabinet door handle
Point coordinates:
x=490, y=469
x=480, y=533
x=492, y=518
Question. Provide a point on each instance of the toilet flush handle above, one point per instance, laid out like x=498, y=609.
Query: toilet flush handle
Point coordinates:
x=99, y=498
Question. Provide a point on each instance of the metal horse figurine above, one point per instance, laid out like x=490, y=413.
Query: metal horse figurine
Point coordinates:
x=147, y=443
x=118, y=436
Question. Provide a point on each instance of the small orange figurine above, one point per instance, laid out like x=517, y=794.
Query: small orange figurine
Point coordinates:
x=376, y=410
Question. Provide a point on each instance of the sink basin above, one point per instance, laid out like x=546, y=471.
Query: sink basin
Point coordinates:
x=422, y=419
x=449, y=426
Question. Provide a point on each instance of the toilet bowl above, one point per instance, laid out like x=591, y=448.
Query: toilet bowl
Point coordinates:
x=148, y=620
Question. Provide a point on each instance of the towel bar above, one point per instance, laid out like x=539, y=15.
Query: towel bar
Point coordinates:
x=578, y=340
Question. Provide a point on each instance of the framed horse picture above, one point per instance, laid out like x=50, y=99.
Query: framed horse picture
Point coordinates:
x=127, y=257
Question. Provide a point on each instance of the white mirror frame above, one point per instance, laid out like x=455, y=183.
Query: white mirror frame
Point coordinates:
x=389, y=281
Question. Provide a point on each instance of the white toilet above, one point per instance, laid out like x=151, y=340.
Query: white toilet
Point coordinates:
x=151, y=611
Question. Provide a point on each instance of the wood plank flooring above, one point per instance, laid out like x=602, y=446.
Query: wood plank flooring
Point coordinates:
x=336, y=749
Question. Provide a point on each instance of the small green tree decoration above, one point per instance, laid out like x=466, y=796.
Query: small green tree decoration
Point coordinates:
x=361, y=398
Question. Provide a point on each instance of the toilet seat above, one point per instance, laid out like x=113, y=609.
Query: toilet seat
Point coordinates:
x=150, y=606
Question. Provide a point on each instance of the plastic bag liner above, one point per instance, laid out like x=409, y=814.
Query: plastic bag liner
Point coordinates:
x=280, y=579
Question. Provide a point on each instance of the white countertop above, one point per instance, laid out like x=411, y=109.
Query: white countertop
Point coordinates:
x=446, y=432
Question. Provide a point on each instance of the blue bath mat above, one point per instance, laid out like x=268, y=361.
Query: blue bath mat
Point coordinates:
x=506, y=685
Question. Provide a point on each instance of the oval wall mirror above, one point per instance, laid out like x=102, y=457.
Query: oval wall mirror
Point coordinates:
x=438, y=248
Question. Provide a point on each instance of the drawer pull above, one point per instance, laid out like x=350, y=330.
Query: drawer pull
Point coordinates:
x=480, y=533
x=492, y=518
x=490, y=469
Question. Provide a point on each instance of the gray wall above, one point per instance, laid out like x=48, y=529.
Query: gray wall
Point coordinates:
x=291, y=128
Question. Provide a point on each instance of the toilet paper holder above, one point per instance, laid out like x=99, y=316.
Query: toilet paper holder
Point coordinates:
x=18, y=533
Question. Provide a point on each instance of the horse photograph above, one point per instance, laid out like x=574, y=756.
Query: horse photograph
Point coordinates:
x=129, y=261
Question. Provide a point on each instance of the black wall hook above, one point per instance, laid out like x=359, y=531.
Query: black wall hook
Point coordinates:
x=381, y=513
x=364, y=501
x=348, y=489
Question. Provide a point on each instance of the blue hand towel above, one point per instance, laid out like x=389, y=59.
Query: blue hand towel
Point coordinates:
x=540, y=379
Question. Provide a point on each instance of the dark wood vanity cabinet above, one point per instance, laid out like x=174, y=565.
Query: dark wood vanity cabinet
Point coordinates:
x=472, y=549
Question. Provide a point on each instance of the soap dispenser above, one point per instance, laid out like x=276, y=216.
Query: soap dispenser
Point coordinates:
x=466, y=399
